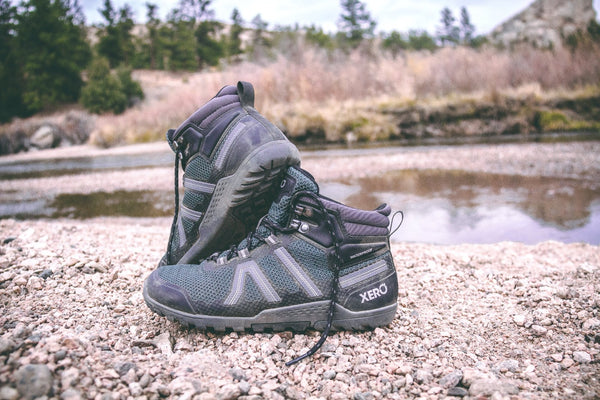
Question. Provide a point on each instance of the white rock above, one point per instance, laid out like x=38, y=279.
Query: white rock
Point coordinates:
x=519, y=319
x=592, y=323
x=582, y=357
x=538, y=330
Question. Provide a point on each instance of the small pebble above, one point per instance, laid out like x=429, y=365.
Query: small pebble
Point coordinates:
x=457, y=391
x=33, y=380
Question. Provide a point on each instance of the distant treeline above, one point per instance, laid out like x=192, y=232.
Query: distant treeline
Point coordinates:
x=50, y=57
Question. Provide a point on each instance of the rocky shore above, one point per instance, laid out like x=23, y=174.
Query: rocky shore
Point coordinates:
x=499, y=321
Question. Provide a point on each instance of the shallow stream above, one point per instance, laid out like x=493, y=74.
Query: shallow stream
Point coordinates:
x=440, y=206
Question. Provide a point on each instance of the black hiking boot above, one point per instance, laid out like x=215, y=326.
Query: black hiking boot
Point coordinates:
x=233, y=161
x=311, y=263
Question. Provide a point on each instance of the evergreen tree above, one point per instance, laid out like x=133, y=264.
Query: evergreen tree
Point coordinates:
x=318, y=37
x=394, y=43
x=420, y=40
x=116, y=41
x=54, y=51
x=355, y=22
x=234, y=42
x=108, y=42
x=104, y=91
x=125, y=25
x=10, y=74
x=153, y=38
x=209, y=49
x=181, y=41
x=466, y=27
x=260, y=41
x=448, y=33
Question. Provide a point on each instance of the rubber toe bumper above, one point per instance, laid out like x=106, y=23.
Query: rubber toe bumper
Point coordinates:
x=166, y=293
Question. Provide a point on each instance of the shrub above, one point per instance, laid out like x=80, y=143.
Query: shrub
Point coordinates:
x=106, y=91
x=132, y=89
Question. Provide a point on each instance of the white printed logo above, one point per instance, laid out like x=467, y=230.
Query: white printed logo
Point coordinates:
x=374, y=293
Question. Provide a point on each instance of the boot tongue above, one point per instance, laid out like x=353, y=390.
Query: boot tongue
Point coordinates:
x=294, y=181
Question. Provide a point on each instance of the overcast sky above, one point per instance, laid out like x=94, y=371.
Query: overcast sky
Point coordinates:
x=401, y=15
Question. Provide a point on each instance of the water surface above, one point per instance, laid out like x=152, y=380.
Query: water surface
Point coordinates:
x=440, y=206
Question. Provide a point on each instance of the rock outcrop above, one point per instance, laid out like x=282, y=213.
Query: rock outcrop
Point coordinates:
x=545, y=23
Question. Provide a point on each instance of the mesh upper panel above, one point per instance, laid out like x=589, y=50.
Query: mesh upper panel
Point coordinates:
x=251, y=293
x=277, y=275
x=200, y=289
x=199, y=169
x=187, y=225
x=195, y=201
x=314, y=261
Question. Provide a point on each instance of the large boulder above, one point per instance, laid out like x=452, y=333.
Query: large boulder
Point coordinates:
x=545, y=23
x=46, y=136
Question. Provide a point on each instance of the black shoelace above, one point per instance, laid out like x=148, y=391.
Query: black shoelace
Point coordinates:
x=176, y=215
x=264, y=222
x=334, y=284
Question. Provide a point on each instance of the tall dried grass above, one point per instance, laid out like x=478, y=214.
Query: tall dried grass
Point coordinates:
x=312, y=85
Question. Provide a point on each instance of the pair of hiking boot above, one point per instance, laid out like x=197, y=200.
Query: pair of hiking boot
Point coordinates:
x=253, y=244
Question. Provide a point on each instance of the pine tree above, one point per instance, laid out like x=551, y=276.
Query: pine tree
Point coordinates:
x=53, y=52
x=234, y=43
x=209, y=49
x=355, y=22
x=394, y=43
x=260, y=41
x=181, y=42
x=116, y=41
x=448, y=33
x=153, y=38
x=109, y=45
x=125, y=25
x=466, y=27
x=318, y=37
x=11, y=82
x=420, y=40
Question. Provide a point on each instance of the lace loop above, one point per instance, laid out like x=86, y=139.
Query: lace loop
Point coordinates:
x=392, y=229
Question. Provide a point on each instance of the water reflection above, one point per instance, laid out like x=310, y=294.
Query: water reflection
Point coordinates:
x=440, y=206
x=460, y=207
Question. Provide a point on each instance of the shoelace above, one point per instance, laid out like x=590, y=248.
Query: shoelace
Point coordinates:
x=176, y=215
x=335, y=282
x=234, y=250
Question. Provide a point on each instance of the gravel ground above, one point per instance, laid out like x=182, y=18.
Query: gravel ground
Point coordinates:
x=501, y=321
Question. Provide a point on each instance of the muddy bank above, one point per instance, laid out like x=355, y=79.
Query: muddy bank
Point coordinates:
x=310, y=124
x=463, y=118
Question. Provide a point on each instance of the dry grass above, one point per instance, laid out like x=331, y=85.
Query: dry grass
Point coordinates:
x=314, y=91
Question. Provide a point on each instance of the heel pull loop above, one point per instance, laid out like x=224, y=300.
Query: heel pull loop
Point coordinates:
x=246, y=93
x=392, y=231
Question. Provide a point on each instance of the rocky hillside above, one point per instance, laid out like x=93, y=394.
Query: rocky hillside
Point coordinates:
x=544, y=23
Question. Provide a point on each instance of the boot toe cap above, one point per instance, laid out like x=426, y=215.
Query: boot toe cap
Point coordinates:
x=167, y=294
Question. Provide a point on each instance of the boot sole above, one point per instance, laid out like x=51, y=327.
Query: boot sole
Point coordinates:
x=241, y=199
x=297, y=318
